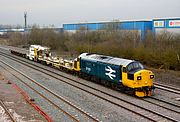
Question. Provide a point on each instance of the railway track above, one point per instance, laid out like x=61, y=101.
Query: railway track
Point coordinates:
x=107, y=97
x=163, y=104
x=50, y=101
x=167, y=88
x=170, y=103
x=7, y=111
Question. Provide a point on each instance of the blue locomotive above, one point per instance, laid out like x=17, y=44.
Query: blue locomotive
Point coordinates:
x=124, y=74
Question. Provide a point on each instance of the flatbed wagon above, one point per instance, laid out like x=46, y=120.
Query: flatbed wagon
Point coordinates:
x=19, y=51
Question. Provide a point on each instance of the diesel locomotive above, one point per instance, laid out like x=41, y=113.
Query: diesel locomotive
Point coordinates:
x=126, y=75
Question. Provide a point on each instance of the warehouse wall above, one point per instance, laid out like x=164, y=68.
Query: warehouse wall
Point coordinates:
x=141, y=26
x=171, y=25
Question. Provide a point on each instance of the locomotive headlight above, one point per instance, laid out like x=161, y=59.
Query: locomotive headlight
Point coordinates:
x=138, y=77
x=151, y=76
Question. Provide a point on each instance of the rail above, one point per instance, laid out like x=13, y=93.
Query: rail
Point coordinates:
x=156, y=113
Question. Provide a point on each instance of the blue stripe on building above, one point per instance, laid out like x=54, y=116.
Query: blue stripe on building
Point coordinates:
x=156, y=25
x=142, y=26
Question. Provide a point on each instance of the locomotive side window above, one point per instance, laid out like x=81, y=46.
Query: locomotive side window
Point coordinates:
x=142, y=67
x=124, y=69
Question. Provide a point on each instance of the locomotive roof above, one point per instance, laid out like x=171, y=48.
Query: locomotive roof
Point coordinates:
x=106, y=59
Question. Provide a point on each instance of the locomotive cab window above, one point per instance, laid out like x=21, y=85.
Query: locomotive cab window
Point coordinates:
x=134, y=66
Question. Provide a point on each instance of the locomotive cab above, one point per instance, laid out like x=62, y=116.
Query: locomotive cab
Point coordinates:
x=138, y=79
x=37, y=51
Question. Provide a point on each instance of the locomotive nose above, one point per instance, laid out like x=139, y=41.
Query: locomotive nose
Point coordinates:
x=145, y=82
x=144, y=77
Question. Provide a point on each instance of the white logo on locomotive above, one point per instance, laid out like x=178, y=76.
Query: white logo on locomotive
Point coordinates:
x=110, y=72
x=88, y=69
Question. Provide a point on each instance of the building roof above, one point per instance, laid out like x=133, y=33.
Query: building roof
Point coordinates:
x=168, y=18
x=105, y=22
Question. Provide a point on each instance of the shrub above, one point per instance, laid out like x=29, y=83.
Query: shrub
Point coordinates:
x=162, y=51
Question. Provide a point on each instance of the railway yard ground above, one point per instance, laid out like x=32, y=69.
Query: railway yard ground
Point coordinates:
x=168, y=77
x=66, y=97
x=20, y=109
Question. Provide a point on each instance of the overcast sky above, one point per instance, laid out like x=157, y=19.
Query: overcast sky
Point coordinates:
x=57, y=12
